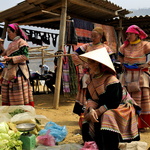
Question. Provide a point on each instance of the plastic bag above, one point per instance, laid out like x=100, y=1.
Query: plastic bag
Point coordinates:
x=6, y=110
x=42, y=120
x=26, y=117
x=91, y=145
x=134, y=145
x=46, y=139
x=58, y=132
x=5, y=117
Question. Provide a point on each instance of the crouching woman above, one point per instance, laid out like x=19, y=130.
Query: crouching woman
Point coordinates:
x=111, y=115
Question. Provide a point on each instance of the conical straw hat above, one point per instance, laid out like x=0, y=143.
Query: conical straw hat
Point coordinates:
x=100, y=55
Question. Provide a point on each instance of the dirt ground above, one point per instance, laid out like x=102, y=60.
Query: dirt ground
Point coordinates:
x=65, y=116
x=62, y=116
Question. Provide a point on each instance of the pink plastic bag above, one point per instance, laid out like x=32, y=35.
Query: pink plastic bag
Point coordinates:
x=91, y=145
x=47, y=139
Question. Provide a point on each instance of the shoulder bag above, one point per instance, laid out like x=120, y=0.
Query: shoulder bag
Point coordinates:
x=133, y=86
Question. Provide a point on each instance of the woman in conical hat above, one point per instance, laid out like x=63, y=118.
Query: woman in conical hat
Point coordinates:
x=133, y=57
x=110, y=114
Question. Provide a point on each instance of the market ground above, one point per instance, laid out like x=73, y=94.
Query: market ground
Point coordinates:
x=64, y=116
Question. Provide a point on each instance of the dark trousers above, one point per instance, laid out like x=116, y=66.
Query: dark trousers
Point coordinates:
x=49, y=83
x=105, y=140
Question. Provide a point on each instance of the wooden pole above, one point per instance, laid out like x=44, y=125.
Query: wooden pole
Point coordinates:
x=60, y=48
x=40, y=21
x=119, y=34
x=42, y=57
x=4, y=30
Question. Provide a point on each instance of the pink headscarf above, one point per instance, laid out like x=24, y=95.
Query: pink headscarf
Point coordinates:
x=137, y=30
x=16, y=27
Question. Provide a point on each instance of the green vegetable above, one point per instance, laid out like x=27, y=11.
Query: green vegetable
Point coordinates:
x=9, y=138
x=16, y=111
x=4, y=127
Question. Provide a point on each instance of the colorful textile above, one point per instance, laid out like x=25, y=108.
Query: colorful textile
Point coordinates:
x=123, y=119
x=65, y=75
x=15, y=46
x=137, y=30
x=83, y=31
x=17, y=91
x=120, y=117
x=137, y=55
x=142, y=98
x=73, y=77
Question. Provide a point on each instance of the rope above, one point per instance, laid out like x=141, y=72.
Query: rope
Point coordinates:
x=145, y=122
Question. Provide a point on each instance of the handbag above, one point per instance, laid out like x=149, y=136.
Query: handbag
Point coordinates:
x=10, y=72
x=133, y=86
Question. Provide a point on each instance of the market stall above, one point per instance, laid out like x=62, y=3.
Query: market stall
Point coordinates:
x=54, y=15
x=22, y=129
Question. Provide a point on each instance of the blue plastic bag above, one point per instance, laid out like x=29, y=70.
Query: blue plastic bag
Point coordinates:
x=58, y=132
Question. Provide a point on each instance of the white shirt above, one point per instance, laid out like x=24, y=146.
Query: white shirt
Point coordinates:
x=44, y=68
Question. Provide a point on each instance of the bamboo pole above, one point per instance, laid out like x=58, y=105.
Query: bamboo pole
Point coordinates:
x=4, y=30
x=40, y=47
x=51, y=13
x=50, y=56
x=42, y=57
x=40, y=21
x=60, y=48
x=119, y=34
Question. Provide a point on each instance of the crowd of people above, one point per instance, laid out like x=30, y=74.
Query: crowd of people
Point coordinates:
x=104, y=97
x=112, y=108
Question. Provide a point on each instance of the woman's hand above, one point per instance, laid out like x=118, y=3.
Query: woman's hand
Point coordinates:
x=91, y=116
x=146, y=65
x=7, y=58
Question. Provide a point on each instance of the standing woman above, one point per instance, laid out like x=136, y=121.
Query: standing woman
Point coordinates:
x=133, y=56
x=97, y=37
x=16, y=88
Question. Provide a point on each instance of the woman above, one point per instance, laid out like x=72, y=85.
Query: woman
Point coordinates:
x=133, y=56
x=97, y=37
x=16, y=89
x=110, y=115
